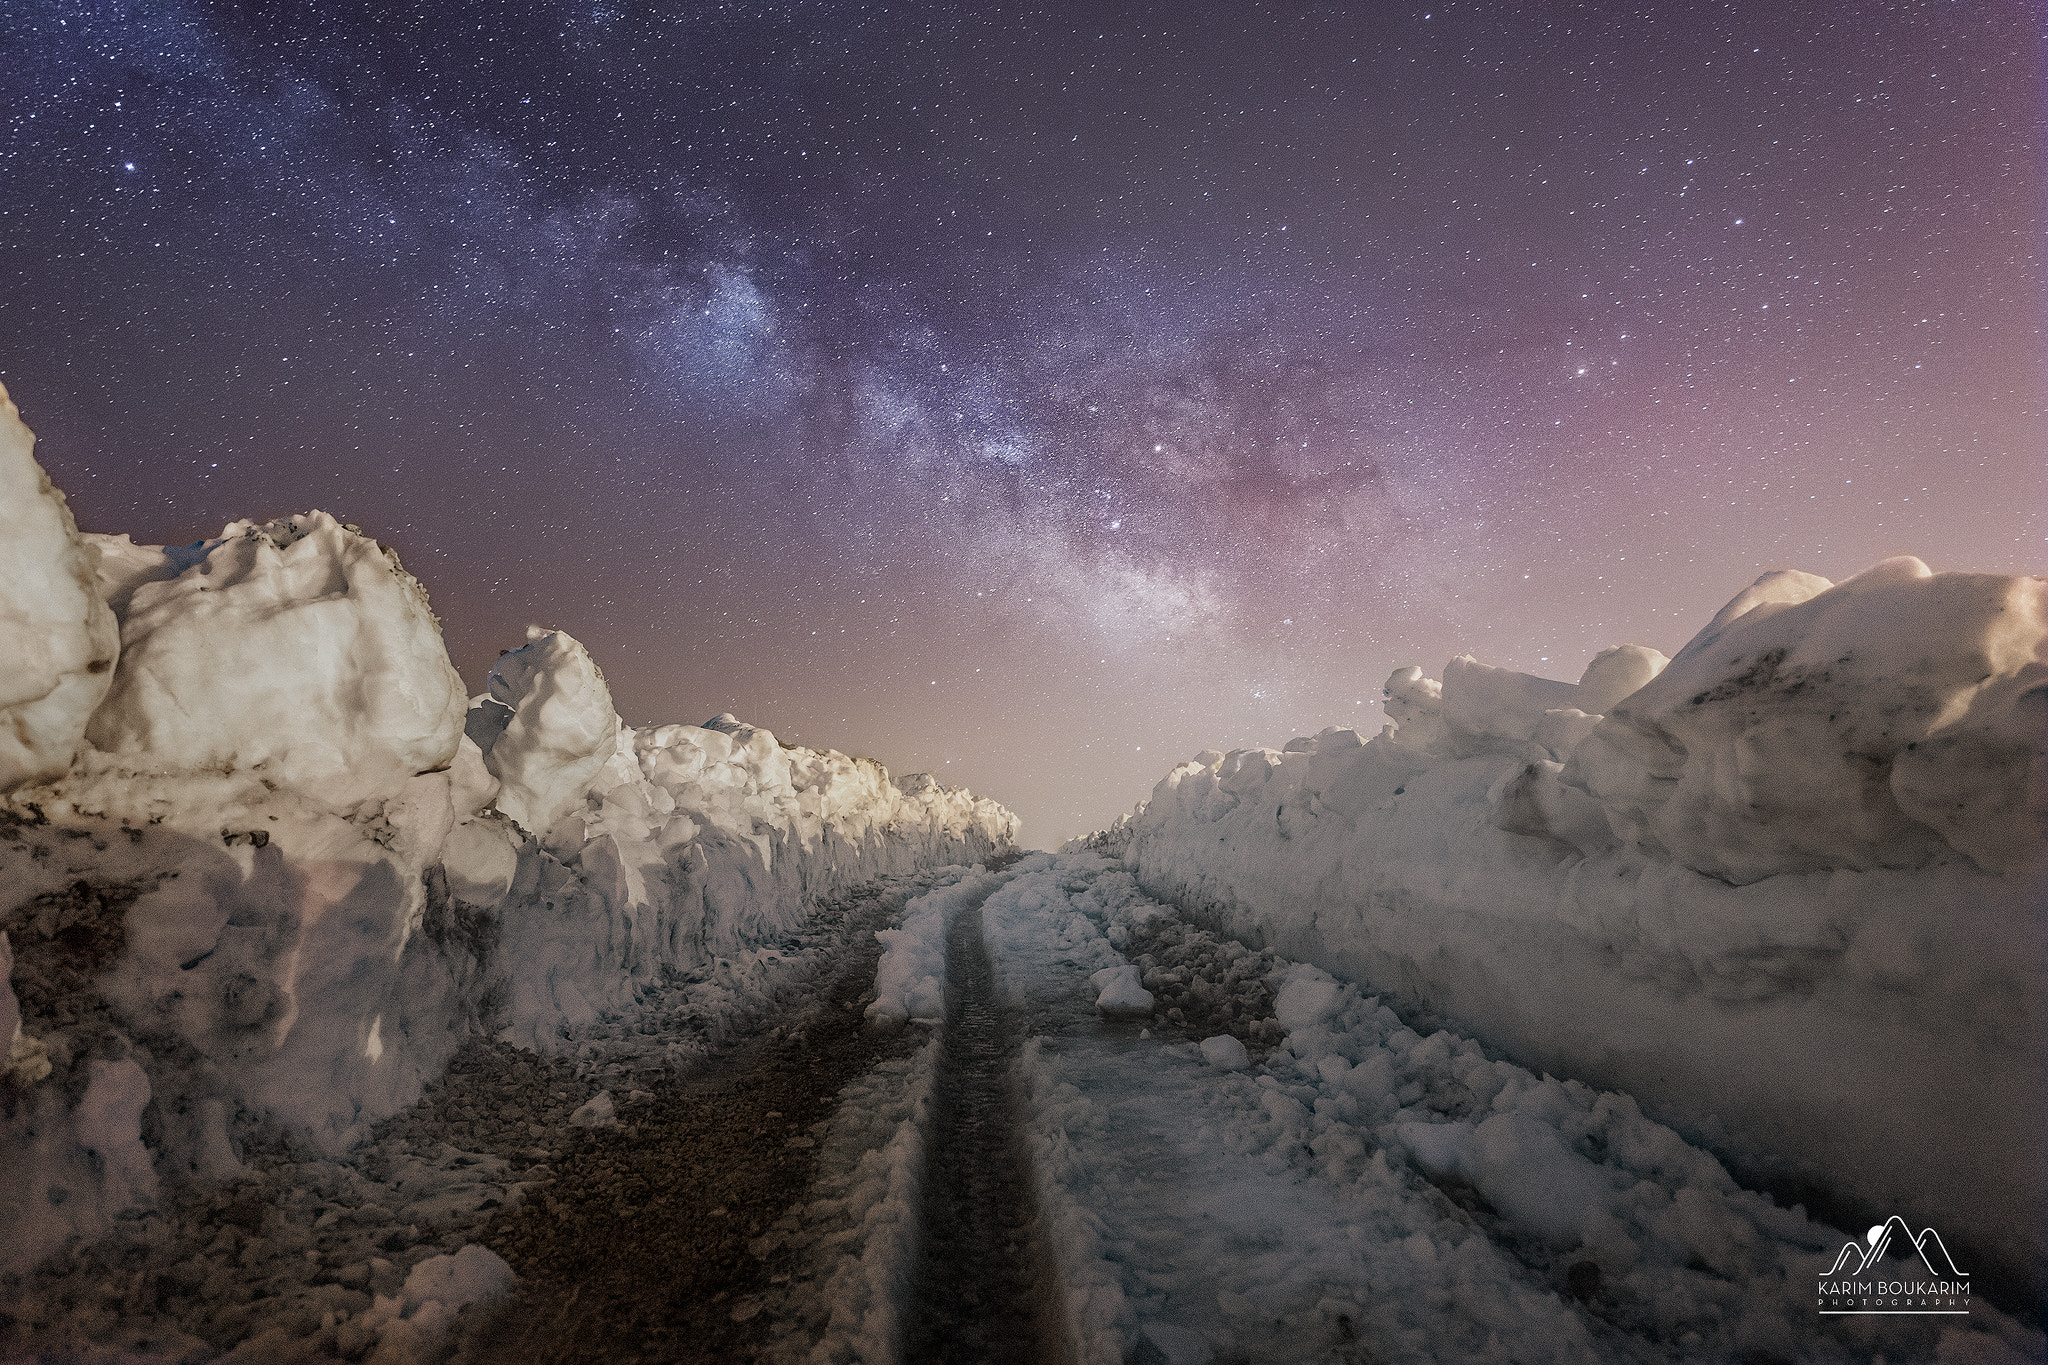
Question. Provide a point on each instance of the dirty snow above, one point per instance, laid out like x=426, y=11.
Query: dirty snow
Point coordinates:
x=265, y=869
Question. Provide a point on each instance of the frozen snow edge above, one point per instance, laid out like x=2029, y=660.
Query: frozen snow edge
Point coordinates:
x=264, y=864
x=1786, y=891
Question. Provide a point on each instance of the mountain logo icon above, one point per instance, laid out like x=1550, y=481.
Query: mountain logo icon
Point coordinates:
x=1893, y=1238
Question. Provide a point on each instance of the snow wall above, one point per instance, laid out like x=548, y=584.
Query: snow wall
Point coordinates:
x=1785, y=889
x=263, y=863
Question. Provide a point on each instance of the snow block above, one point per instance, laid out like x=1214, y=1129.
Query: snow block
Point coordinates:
x=1493, y=708
x=1225, y=1053
x=1895, y=720
x=1788, y=890
x=1118, y=991
x=558, y=731
x=57, y=635
x=298, y=649
x=1617, y=673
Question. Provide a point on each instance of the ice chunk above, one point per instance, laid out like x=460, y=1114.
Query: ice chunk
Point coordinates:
x=57, y=635
x=1226, y=1052
x=473, y=1275
x=597, y=1112
x=297, y=647
x=1308, y=996
x=561, y=730
x=1560, y=731
x=1119, y=991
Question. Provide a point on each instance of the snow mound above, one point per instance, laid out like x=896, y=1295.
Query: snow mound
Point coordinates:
x=1785, y=888
x=58, y=635
x=1363, y=1180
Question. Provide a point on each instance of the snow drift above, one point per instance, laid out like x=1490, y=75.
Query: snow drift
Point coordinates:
x=1785, y=888
x=261, y=864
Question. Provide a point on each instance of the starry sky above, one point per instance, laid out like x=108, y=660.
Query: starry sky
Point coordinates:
x=1038, y=394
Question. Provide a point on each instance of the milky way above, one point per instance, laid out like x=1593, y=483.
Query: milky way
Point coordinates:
x=1041, y=394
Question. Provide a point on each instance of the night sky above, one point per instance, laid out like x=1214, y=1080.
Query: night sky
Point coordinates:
x=1040, y=394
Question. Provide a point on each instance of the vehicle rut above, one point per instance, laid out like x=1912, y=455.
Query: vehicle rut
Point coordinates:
x=984, y=1288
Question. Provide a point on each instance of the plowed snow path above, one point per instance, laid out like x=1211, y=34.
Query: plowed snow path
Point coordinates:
x=1363, y=1192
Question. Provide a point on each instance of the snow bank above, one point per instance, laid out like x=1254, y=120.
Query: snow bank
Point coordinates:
x=280, y=870
x=859, y=1231
x=1894, y=721
x=59, y=636
x=1786, y=889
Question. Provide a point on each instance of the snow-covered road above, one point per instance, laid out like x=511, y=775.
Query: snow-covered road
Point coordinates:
x=1350, y=1188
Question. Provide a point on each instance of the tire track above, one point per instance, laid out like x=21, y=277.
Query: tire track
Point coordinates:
x=984, y=1289
x=645, y=1248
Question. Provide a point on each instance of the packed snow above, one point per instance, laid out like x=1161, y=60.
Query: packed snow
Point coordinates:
x=910, y=979
x=266, y=869
x=1785, y=889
